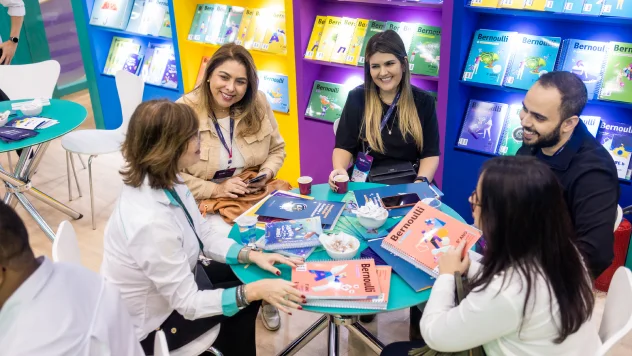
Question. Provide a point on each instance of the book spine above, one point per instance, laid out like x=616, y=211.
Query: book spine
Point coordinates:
x=289, y=245
x=461, y=140
x=502, y=142
x=408, y=258
x=561, y=58
x=602, y=73
x=510, y=62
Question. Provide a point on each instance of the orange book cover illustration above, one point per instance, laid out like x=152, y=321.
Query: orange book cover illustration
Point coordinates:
x=350, y=279
x=424, y=234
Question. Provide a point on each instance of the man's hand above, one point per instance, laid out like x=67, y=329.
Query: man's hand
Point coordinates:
x=7, y=49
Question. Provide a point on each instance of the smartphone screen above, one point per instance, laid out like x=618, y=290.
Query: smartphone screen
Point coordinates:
x=399, y=201
x=256, y=179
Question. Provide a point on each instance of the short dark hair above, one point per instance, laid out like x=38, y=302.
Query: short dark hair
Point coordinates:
x=527, y=227
x=157, y=136
x=571, y=88
x=14, y=240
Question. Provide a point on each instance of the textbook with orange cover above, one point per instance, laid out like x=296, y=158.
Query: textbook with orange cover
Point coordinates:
x=424, y=234
x=349, y=279
x=380, y=303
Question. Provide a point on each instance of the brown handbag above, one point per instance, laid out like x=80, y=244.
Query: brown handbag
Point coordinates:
x=231, y=208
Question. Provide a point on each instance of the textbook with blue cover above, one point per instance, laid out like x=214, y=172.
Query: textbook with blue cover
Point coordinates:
x=290, y=208
x=291, y=234
x=532, y=56
x=573, y=6
x=275, y=86
x=554, y=5
x=488, y=57
x=483, y=126
x=585, y=59
x=616, y=137
x=617, y=8
x=592, y=7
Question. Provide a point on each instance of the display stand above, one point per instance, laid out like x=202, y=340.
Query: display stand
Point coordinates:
x=96, y=42
x=317, y=137
x=461, y=167
x=191, y=54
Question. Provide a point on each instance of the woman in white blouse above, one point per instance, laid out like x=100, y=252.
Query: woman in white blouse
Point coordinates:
x=531, y=293
x=154, y=238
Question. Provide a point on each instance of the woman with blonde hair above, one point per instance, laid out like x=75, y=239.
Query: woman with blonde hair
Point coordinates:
x=239, y=141
x=390, y=122
x=173, y=274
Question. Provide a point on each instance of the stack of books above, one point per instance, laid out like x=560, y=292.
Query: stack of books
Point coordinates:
x=296, y=238
x=344, y=284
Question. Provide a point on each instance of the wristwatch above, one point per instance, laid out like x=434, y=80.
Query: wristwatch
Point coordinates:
x=14, y=39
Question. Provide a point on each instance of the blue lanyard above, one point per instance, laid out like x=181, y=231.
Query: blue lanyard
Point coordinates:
x=174, y=195
x=389, y=112
x=221, y=138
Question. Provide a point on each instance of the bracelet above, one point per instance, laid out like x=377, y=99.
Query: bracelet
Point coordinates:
x=242, y=302
x=244, y=255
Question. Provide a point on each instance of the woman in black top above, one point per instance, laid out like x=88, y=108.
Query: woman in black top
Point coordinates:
x=411, y=132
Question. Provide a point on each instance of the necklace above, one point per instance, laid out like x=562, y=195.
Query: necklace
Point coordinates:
x=390, y=131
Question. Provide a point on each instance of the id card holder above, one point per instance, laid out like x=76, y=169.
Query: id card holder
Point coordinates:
x=226, y=173
x=362, y=167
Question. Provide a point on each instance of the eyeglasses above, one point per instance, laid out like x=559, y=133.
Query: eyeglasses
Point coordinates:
x=474, y=200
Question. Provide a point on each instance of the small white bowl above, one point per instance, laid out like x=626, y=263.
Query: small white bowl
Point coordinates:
x=373, y=223
x=31, y=109
x=347, y=255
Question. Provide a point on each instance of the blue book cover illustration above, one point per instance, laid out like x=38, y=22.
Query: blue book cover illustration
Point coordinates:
x=585, y=59
x=488, y=57
x=592, y=7
x=111, y=13
x=422, y=189
x=132, y=64
x=617, y=8
x=417, y=279
x=532, y=57
x=292, y=234
x=134, y=18
x=170, y=77
x=616, y=137
x=573, y=6
x=554, y=5
x=297, y=208
x=275, y=86
x=483, y=126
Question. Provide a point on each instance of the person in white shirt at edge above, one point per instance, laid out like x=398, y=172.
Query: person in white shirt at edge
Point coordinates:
x=16, y=12
x=52, y=309
x=531, y=294
x=156, y=233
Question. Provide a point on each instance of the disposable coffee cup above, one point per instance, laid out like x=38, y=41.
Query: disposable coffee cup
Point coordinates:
x=342, y=183
x=247, y=229
x=305, y=185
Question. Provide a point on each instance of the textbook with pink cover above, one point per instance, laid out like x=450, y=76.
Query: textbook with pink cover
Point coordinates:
x=380, y=303
x=348, y=279
x=424, y=234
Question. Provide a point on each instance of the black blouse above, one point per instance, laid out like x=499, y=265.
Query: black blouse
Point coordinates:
x=349, y=137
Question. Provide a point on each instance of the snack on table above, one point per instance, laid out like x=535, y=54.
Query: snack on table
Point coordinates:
x=371, y=210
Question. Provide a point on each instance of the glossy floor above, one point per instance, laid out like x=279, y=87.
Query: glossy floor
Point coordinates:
x=51, y=179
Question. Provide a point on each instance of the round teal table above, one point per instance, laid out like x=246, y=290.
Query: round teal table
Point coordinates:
x=401, y=295
x=18, y=182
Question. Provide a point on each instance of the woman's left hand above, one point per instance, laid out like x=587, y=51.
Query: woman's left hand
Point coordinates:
x=266, y=261
x=452, y=261
x=257, y=186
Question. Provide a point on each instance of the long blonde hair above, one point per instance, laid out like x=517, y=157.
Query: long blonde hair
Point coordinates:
x=409, y=124
x=248, y=109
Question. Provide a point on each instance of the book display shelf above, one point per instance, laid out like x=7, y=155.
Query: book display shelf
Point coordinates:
x=97, y=43
x=191, y=54
x=317, y=137
x=461, y=166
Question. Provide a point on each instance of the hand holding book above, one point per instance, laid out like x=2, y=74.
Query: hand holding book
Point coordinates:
x=453, y=260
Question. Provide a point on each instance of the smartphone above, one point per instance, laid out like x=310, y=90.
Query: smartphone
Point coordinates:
x=256, y=179
x=400, y=201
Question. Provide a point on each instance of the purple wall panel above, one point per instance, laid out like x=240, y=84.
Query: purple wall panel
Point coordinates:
x=316, y=138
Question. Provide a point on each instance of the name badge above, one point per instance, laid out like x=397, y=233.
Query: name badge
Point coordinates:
x=362, y=167
x=226, y=173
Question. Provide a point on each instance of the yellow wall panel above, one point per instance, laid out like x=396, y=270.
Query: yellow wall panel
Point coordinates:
x=191, y=54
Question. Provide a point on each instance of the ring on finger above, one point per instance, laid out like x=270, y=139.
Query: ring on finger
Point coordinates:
x=286, y=297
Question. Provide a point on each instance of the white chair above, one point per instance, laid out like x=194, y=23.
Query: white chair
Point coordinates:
x=160, y=344
x=65, y=246
x=619, y=217
x=336, y=123
x=29, y=81
x=617, y=313
x=98, y=142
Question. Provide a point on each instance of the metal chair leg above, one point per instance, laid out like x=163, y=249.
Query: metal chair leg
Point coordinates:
x=94, y=227
x=10, y=161
x=214, y=351
x=81, y=160
x=72, y=164
x=68, y=173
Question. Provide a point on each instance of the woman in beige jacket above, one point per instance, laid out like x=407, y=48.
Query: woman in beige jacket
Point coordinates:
x=238, y=131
